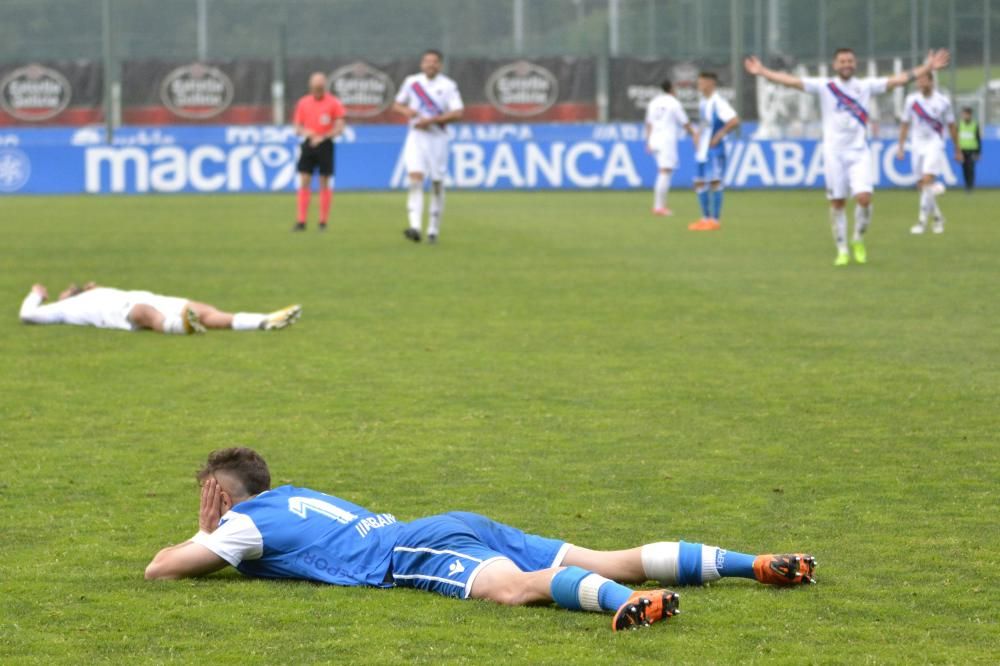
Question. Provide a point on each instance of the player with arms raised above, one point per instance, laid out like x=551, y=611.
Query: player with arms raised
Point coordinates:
x=928, y=112
x=847, y=159
x=430, y=100
x=664, y=116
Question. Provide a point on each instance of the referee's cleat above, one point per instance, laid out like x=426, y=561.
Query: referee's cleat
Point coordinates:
x=432, y=239
x=299, y=226
x=644, y=608
x=412, y=234
x=322, y=226
x=843, y=258
x=282, y=318
x=793, y=569
x=860, y=253
x=192, y=322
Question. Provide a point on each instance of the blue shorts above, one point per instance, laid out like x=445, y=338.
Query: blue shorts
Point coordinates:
x=445, y=553
x=713, y=168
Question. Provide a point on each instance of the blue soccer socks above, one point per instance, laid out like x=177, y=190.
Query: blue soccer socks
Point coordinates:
x=683, y=563
x=578, y=589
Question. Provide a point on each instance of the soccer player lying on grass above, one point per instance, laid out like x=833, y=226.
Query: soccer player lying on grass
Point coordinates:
x=290, y=532
x=105, y=307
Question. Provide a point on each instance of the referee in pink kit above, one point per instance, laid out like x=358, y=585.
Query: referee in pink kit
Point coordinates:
x=318, y=119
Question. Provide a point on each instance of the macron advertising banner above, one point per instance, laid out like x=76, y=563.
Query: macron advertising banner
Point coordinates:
x=248, y=158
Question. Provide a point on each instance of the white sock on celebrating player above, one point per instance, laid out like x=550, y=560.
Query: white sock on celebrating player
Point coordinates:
x=862, y=218
x=838, y=223
x=929, y=200
x=922, y=217
x=660, y=190
x=437, y=210
x=415, y=204
x=247, y=321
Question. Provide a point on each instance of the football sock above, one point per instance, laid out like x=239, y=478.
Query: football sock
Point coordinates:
x=683, y=563
x=578, y=589
x=703, y=200
x=862, y=218
x=437, y=209
x=247, y=321
x=661, y=189
x=716, y=204
x=174, y=324
x=838, y=222
x=929, y=201
x=415, y=204
x=304, y=194
x=325, y=197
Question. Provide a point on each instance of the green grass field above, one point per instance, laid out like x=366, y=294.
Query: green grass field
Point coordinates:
x=562, y=362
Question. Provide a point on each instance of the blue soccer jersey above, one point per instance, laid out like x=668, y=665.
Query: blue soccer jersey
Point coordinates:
x=713, y=114
x=290, y=532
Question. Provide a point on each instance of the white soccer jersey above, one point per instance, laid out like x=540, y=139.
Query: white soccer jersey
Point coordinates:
x=928, y=118
x=665, y=117
x=845, y=106
x=429, y=98
x=103, y=307
x=713, y=113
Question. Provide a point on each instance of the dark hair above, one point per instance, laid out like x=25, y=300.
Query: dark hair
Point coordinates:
x=666, y=85
x=967, y=109
x=439, y=55
x=243, y=464
x=709, y=75
x=843, y=49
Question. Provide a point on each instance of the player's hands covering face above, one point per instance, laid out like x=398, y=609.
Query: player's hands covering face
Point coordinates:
x=211, y=506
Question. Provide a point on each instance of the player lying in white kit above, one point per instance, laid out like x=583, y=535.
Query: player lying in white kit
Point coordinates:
x=106, y=307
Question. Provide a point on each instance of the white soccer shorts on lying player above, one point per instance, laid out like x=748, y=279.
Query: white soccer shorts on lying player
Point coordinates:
x=847, y=172
x=426, y=153
x=929, y=160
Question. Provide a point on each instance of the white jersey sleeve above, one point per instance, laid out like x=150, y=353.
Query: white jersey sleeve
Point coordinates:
x=949, y=111
x=813, y=84
x=403, y=96
x=33, y=312
x=680, y=116
x=453, y=99
x=908, y=108
x=235, y=540
x=877, y=85
x=723, y=109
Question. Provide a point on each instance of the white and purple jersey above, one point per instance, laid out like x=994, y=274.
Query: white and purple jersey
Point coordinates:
x=928, y=117
x=429, y=98
x=845, y=107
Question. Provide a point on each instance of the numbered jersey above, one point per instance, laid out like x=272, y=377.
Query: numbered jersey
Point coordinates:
x=290, y=532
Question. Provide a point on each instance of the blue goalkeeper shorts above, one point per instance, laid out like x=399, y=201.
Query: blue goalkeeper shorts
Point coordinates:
x=445, y=553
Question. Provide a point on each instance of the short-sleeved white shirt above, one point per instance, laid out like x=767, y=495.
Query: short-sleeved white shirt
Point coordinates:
x=928, y=118
x=429, y=98
x=845, y=107
x=665, y=117
x=713, y=113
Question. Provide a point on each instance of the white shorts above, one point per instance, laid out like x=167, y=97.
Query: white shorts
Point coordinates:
x=427, y=153
x=928, y=161
x=666, y=155
x=847, y=172
x=168, y=306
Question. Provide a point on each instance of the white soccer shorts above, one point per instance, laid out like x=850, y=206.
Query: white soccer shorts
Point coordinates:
x=168, y=306
x=927, y=161
x=426, y=153
x=665, y=154
x=847, y=172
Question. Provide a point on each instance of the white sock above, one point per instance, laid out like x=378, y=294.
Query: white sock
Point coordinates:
x=415, y=204
x=862, y=218
x=838, y=223
x=709, y=571
x=174, y=324
x=922, y=217
x=930, y=201
x=437, y=210
x=247, y=321
x=659, y=561
x=588, y=593
x=661, y=189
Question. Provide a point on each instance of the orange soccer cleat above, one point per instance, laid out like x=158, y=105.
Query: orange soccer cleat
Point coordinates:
x=704, y=224
x=644, y=608
x=793, y=569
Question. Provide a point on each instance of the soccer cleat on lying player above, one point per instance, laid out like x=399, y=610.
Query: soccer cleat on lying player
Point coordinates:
x=644, y=608
x=282, y=318
x=192, y=322
x=792, y=569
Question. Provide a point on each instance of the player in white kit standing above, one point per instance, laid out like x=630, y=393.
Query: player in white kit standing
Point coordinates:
x=430, y=100
x=929, y=113
x=847, y=158
x=664, y=116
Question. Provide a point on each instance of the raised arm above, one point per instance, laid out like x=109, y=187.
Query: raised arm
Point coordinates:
x=34, y=312
x=754, y=66
x=935, y=60
x=904, y=129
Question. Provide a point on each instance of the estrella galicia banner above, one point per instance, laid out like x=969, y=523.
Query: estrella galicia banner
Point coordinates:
x=240, y=158
x=63, y=92
x=366, y=88
x=159, y=92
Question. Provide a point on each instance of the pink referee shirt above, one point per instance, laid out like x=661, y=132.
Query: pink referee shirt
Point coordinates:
x=318, y=115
